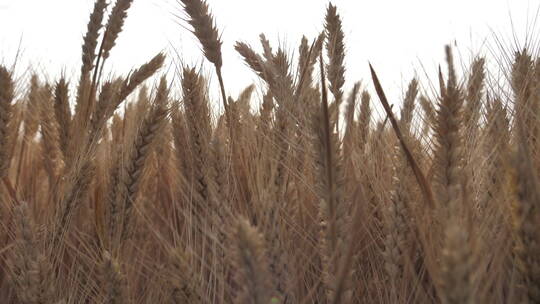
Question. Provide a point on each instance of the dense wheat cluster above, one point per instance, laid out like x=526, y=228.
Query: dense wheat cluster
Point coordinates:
x=121, y=192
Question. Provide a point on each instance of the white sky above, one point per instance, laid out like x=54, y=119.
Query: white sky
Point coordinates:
x=394, y=35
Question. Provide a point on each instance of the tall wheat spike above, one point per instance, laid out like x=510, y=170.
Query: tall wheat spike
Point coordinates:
x=336, y=53
x=333, y=209
x=448, y=152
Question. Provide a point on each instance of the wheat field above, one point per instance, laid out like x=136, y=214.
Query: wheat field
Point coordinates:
x=114, y=190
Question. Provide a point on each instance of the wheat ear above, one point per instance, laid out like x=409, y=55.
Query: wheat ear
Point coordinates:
x=205, y=30
x=182, y=279
x=6, y=99
x=458, y=264
x=62, y=114
x=133, y=169
x=448, y=152
x=114, y=26
x=52, y=152
x=252, y=265
x=526, y=218
x=32, y=271
x=336, y=53
x=91, y=37
x=113, y=281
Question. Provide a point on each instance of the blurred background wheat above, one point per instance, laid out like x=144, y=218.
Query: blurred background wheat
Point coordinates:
x=307, y=187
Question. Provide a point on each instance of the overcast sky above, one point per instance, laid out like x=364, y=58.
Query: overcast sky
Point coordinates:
x=394, y=35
